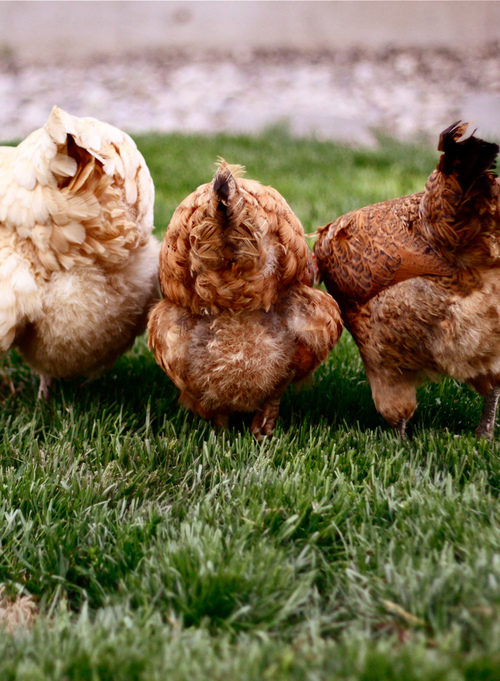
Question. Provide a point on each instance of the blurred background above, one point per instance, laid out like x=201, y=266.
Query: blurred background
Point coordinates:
x=342, y=70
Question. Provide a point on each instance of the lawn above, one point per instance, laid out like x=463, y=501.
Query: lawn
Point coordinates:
x=156, y=548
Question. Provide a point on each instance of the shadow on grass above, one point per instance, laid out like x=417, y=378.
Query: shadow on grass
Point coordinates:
x=338, y=396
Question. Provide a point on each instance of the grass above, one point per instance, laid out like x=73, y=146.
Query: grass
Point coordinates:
x=156, y=548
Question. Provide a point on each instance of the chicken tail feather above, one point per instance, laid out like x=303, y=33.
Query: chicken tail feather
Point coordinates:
x=224, y=184
x=468, y=158
x=458, y=206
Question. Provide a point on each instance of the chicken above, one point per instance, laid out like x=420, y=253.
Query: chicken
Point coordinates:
x=239, y=320
x=78, y=262
x=418, y=281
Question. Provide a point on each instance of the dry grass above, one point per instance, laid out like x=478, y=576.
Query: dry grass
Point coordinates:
x=20, y=612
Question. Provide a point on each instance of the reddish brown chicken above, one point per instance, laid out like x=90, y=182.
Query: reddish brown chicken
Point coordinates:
x=418, y=281
x=239, y=320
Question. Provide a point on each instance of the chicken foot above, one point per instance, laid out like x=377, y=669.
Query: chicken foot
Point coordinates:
x=488, y=415
x=400, y=429
x=43, y=390
x=264, y=420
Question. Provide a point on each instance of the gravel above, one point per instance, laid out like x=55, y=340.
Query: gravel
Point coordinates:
x=349, y=96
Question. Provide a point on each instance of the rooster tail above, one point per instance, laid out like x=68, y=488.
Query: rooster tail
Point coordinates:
x=468, y=158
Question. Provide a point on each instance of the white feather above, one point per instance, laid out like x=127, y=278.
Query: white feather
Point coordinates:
x=40, y=234
x=74, y=232
x=131, y=190
x=39, y=205
x=63, y=165
x=22, y=280
x=24, y=174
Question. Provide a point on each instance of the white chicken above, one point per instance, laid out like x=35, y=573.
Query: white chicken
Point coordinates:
x=78, y=262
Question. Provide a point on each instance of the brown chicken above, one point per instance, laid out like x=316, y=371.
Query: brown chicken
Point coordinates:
x=418, y=281
x=240, y=319
x=78, y=262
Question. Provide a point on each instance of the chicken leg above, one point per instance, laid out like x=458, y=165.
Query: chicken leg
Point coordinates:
x=264, y=420
x=487, y=421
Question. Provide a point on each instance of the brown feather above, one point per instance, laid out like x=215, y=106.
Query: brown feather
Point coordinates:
x=417, y=279
x=239, y=320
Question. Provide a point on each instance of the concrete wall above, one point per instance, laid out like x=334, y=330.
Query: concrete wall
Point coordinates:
x=47, y=29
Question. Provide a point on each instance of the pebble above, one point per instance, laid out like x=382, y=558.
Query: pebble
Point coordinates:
x=350, y=96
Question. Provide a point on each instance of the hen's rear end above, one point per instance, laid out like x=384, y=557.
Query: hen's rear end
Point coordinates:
x=424, y=300
x=240, y=320
x=78, y=262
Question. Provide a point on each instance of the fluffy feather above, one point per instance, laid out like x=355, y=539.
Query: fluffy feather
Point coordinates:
x=78, y=262
x=239, y=320
x=417, y=281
